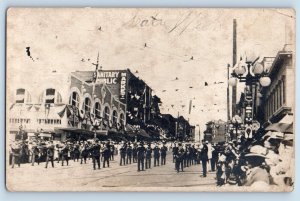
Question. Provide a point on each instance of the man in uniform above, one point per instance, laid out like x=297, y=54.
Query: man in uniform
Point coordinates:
x=148, y=156
x=123, y=154
x=156, y=155
x=50, y=155
x=134, y=153
x=179, y=158
x=96, y=154
x=129, y=154
x=65, y=152
x=204, y=158
x=112, y=151
x=163, y=153
x=141, y=156
x=84, y=152
x=175, y=152
x=15, y=150
x=34, y=154
x=106, y=154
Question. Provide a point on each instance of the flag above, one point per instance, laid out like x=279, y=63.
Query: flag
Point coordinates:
x=62, y=113
x=190, y=107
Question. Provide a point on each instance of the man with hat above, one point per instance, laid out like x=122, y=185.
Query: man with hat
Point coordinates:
x=163, y=153
x=65, y=152
x=15, y=150
x=96, y=154
x=106, y=154
x=123, y=154
x=134, y=153
x=175, y=152
x=129, y=154
x=50, y=155
x=148, y=156
x=204, y=157
x=156, y=155
x=141, y=156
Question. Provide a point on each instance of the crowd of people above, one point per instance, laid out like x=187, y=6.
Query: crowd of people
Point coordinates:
x=240, y=162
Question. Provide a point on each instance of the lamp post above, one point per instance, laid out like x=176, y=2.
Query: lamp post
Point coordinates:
x=252, y=73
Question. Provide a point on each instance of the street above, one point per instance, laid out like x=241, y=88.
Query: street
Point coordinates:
x=82, y=176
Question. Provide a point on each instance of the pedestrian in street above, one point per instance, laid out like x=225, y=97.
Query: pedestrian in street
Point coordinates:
x=50, y=155
x=96, y=154
x=15, y=150
x=65, y=154
x=156, y=155
x=179, y=159
x=204, y=158
x=58, y=151
x=123, y=154
x=141, y=156
x=175, y=152
x=214, y=158
x=134, y=153
x=163, y=153
x=112, y=151
x=76, y=152
x=129, y=154
x=106, y=155
x=34, y=154
x=148, y=156
x=84, y=153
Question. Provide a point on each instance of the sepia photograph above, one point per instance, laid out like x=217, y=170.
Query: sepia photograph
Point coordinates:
x=150, y=99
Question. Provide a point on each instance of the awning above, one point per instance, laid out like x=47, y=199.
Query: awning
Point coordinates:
x=143, y=133
x=287, y=119
x=279, y=127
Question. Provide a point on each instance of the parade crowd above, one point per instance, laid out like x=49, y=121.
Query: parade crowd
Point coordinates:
x=239, y=162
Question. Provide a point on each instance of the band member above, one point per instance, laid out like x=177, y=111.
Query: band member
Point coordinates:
x=156, y=155
x=129, y=154
x=50, y=155
x=163, y=153
x=134, y=153
x=84, y=153
x=141, y=156
x=96, y=154
x=204, y=158
x=148, y=156
x=65, y=154
x=106, y=155
x=123, y=154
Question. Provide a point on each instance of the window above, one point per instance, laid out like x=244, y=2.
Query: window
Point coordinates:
x=115, y=117
x=20, y=96
x=97, y=110
x=87, y=105
x=122, y=119
x=74, y=99
x=50, y=96
x=106, y=113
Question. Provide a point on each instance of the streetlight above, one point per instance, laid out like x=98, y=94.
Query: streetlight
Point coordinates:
x=251, y=72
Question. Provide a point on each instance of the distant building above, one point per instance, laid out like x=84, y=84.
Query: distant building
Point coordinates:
x=215, y=131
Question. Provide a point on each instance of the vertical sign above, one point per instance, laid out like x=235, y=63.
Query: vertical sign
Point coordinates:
x=123, y=86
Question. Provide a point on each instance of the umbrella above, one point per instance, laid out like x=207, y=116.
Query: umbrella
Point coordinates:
x=279, y=127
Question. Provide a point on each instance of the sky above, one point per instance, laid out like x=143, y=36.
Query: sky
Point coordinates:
x=175, y=51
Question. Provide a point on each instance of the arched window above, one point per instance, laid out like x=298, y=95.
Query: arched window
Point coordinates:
x=115, y=117
x=20, y=96
x=87, y=105
x=74, y=99
x=106, y=113
x=122, y=119
x=50, y=96
x=97, y=110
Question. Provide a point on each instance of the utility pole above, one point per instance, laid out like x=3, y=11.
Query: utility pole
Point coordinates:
x=228, y=99
x=233, y=64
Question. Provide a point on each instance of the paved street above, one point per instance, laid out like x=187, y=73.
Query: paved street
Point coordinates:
x=83, y=177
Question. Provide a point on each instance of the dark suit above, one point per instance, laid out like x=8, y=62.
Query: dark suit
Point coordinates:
x=96, y=155
x=106, y=156
x=163, y=153
x=156, y=155
x=204, y=159
x=141, y=157
x=148, y=157
x=50, y=155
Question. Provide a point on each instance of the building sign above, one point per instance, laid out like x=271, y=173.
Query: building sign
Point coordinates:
x=108, y=77
x=123, y=86
x=116, y=80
